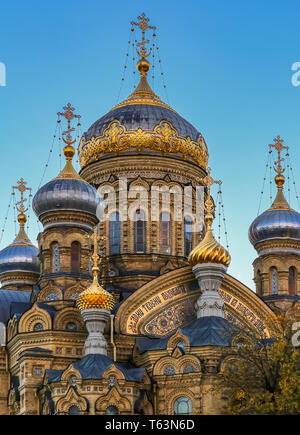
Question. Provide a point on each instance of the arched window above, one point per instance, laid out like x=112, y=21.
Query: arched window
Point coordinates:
x=188, y=369
x=112, y=410
x=169, y=370
x=188, y=235
x=140, y=232
x=55, y=256
x=75, y=257
x=183, y=406
x=38, y=327
x=274, y=280
x=52, y=297
x=74, y=410
x=292, y=280
x=71, y=326
x=165, y=233
x=114, y=233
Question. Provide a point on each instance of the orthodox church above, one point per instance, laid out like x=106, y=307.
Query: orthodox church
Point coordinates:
x=148, y=335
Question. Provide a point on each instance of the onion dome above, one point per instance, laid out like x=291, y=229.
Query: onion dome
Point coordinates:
x=280, y=221
x=95, y=296
x=209, y=250
x=19, y=261
x=143, y=123
x=67, y=192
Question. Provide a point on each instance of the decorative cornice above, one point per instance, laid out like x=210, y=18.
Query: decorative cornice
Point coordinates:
x=164, y=139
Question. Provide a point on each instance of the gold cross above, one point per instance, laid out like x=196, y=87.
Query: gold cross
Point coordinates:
x=143, y=25
x=69, y=115
x=208, y=181
x=21, y=188
x=279, y=147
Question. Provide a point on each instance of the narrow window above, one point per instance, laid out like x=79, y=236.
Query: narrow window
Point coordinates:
x=55, y=256
x=292, y=280
x=165, y=233
x=75, y=257
x=140, y=232
x=114, y=233
x=187, y=235
x=274, y=281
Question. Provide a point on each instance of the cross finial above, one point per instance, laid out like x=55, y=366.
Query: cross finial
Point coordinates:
x=21, y=188
x=69, y=115
x=279, y=147
x=95, y=238
x=143, y=25
x=209, y=204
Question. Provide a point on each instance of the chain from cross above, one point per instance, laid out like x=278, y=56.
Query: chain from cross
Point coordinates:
x=143, y=25
x=279, y=147
x=69, y=115
x=22, y=189
x=209, y=181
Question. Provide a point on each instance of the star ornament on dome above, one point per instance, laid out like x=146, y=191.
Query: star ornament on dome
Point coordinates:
x=279, y=147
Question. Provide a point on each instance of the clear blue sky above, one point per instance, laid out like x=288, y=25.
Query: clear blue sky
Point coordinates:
x=228, y=71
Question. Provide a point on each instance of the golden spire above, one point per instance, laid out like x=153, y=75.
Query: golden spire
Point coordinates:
x=95, y=296
x=279, y=202
x=22, y=218
x=209, y=250
x=143, y=94
x=68, y=171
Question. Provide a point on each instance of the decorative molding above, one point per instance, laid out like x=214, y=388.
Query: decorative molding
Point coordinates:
x=164, y=138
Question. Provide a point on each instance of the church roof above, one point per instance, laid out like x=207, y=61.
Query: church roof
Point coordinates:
x=206, y=331
x=7, y=298
x=93, y=366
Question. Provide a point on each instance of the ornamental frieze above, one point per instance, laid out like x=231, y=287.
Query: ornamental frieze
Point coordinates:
x=164, y=138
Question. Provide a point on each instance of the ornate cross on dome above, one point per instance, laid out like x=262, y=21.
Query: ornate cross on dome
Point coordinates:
x=21, y=188
x=279, y=147
x=143, y=25
x=95, y=238
x=209, y=204
x=69, y=115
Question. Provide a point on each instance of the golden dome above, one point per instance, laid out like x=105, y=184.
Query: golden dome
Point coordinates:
x=95, y=297
x=209, y=250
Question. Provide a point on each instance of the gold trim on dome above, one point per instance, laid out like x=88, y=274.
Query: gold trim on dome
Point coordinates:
x=164, y=138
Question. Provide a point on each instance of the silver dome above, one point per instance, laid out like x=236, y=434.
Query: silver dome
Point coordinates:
x=274, y=224
x=19, y=258
x=66, y=194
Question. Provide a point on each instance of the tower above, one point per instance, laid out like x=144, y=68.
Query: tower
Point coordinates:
x=19, y=263
x=67, y=207
x=141, y=153
x=275, y=234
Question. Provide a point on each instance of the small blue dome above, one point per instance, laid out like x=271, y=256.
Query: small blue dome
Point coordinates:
x=278, y=222
x=274, y=224
x=19, y=258
x=66, y=194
